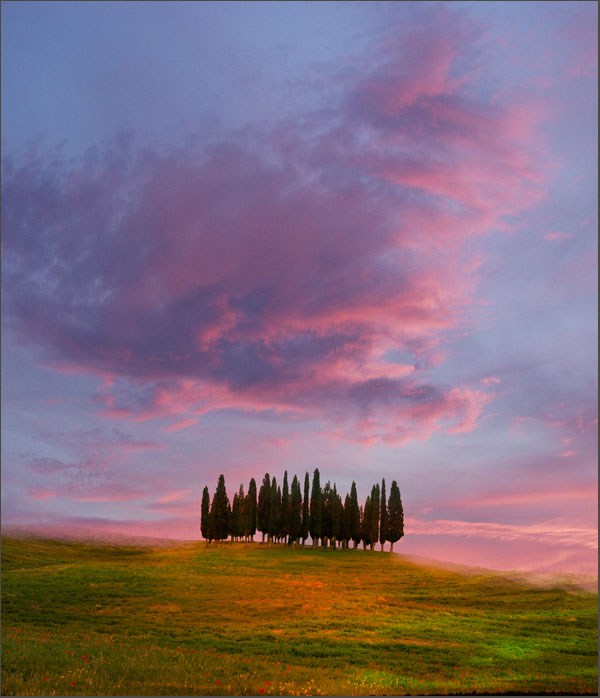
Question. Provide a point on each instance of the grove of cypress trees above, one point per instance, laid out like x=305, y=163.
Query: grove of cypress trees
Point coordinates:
x=205, y=517
x=220, y=511
x=355, y=516
x=305, y=516
x=383, y=528
x=395, y=516
x=264, y=506
x=374, y=515
x=285, y=508
x=314, y=524
x=295, y=512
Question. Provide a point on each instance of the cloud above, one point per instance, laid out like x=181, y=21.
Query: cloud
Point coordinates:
x=555, y=532
x=553, y=237
x=274, y=270
x=183, y=424
x=172, y=496
x=530, y=498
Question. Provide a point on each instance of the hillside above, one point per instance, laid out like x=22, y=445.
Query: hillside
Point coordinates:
x=192, y=620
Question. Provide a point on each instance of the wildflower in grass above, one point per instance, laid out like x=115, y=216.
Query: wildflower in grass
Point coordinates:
x=262, y=690
x=72, y=683
x=45, y=678
x=218, y=682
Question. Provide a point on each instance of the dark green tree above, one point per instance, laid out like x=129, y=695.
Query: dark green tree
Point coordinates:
x=338, y=512
x=355, y=516
x=395, y=516
x=365, y=526
x=273, y=512
x=284, y=522
x=346, y=522
x=374, y=515
x=220, y=511
x=314, y=525
x=327, y=514
x=205, y=528
x=264, y=506
x=383, y=518
x=246, y=518
x=235, y=527
x=253, y=508
x=305, y=515
x=295, y=512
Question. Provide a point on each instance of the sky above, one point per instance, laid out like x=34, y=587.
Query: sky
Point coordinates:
x=254, y=237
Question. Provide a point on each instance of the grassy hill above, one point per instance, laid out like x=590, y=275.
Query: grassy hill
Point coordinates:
x=191, y=620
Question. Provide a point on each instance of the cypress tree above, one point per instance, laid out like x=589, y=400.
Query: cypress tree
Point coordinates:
x=246, y=518
x=220, y=511
x=205, y=516
x=374, y=515
x=278, y=535
x=264, y=505
x=253, y=506
x=355, y=516
x=395, y=516
x=383, y=528
x=365, y=528
x=235, y=522
x=273, y=512
x=295, y=512
x=305, y=515
x=285, y=508
x=314, y=525
x=241, y=499
x=327, y=514
x=338, y=511
x=346, y=522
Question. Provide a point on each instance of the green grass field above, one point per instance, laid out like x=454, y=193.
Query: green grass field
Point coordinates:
x=97, y=620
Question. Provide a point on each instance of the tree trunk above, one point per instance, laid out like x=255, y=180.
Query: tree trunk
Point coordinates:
x=391, y=547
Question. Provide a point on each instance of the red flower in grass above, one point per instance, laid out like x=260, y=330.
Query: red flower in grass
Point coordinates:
x=262, y=690
x=72, y=683
x=45, y=678
x=268, y=684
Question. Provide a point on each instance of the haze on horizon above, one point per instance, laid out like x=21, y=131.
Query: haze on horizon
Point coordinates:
x=253, y=237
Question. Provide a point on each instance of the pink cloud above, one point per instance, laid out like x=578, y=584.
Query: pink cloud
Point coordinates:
x=183, y=424
x=490, y=379
x=529, y=498
x=552, y=237
x=172, y=496
x=267, y=287
x=43, y=494
x=554, y=532
x=568, y=454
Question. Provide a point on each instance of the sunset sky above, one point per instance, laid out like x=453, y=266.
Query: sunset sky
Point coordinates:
x=250, y=237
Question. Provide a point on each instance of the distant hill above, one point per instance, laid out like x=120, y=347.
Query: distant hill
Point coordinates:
x=90, y=535
x=543, y=578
